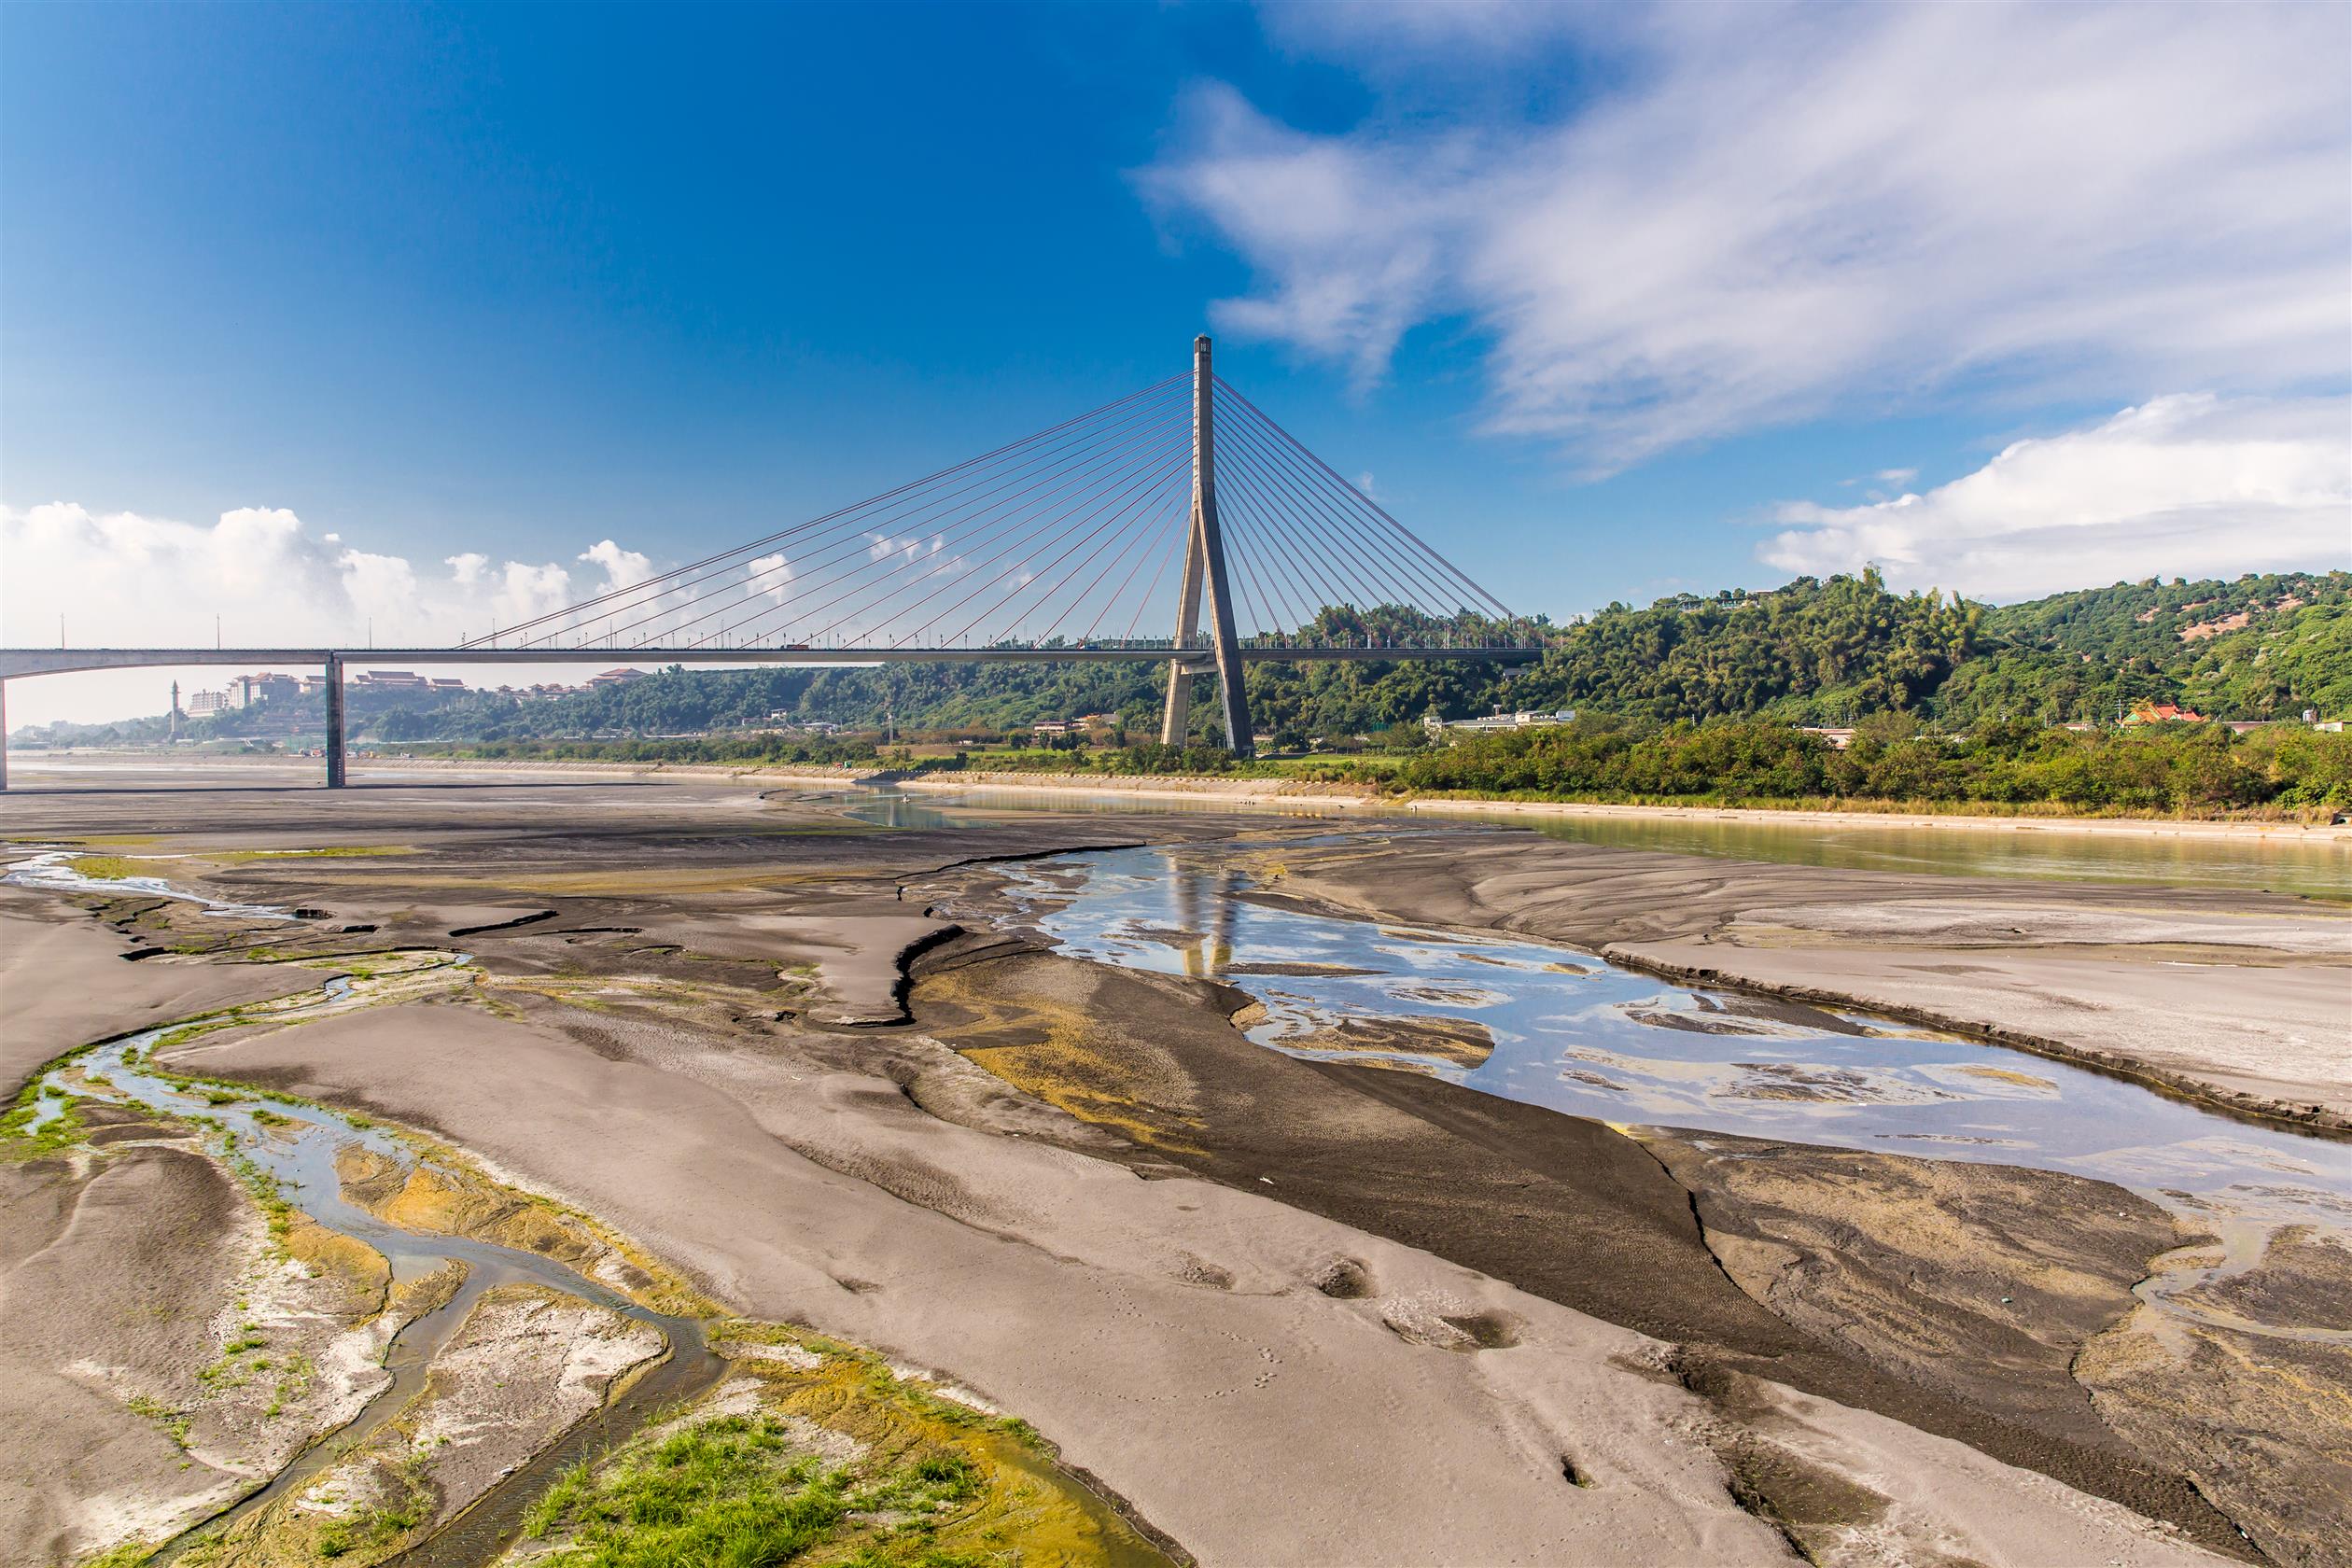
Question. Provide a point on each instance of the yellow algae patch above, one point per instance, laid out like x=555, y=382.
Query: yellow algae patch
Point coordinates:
x=321, y=1251
x=2006, y=1075
x=323, y=852
x=440, y=1194
x=427, y=1293
x=440, y=1202
x=115, y=868
x=1054, y=1071
x=1062, y=1055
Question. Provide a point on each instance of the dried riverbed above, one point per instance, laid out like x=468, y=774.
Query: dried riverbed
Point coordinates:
x=688, y=1012
x=419, y=1363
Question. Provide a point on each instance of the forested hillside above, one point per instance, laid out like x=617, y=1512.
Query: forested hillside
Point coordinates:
x=2258, y=648
x=1809, y=653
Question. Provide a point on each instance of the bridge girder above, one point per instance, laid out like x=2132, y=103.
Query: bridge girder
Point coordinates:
x=19, y=663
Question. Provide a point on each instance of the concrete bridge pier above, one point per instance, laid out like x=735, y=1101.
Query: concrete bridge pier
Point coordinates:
x=334, y=722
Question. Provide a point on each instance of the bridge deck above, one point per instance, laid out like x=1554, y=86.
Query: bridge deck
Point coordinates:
x=20, y=661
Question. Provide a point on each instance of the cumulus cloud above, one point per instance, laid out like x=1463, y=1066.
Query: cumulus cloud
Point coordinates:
x=770, y=575
x=2189, y=485
x=131, y=578
x=1769, y=213
x=622, y=569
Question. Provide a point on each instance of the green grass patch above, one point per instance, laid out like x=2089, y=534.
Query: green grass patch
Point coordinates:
x=174, y=1421
x=266, y=1192
x=19, y=1140
x=728, y=1490
x=130, y=1554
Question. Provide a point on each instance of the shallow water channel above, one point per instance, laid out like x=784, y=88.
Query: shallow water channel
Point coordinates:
x=2049, y=851
x=296, y=1147
x=1574, y=1034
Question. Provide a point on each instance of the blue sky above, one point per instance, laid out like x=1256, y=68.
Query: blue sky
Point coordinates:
x=1610, y=302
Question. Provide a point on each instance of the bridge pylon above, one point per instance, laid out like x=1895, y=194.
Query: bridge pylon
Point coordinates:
x=333, y=684
x=1205, y=576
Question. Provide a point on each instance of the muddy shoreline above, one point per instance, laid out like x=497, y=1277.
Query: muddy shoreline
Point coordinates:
x=1281, y=792
x=2251, y=1033
x=1567, y=1209
x=692, y=1022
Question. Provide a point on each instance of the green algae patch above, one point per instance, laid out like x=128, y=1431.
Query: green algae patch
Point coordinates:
x=131, y=1554
x=41, y=1124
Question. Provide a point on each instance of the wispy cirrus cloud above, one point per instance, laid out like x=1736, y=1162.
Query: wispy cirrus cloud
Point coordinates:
x=1769, y=213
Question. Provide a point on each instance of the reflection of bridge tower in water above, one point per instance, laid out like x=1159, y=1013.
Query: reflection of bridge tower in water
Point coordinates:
x=1191, y=896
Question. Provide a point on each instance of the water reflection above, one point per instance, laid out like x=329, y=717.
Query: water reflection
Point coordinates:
x=1573, y=1032
x=2318, y=868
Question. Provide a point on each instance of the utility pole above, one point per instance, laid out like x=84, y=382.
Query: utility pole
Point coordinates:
x=1205, y=577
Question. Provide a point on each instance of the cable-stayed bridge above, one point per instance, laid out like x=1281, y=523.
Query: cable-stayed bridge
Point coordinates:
x=1178, y=524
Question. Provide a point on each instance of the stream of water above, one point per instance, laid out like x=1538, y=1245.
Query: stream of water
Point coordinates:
x=298, y=1149
x=296, y=1144
x=1574, y=1034
x=1569, y=1031
x=2051, y=852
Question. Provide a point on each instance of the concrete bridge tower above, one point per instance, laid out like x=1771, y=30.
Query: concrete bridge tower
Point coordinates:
x=1205, y=576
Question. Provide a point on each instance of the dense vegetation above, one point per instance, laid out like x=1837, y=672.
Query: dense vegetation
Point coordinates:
x=1689, y=696
x=2194, y=768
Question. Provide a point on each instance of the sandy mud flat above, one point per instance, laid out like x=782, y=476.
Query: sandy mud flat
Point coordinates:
x=821, y=1089
x=2242, y=1000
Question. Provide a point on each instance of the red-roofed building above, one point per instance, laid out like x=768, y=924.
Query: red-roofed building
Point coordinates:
x=2163, y=713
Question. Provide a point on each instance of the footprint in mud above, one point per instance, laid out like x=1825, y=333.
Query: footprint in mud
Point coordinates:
x=1487, y=1331
x=1343, y=1280
x=1491, y=1329
x=1198, y=1272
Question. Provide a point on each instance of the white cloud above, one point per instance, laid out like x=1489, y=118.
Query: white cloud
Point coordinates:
x=1895, y=476
x=2189, y=485
x=770, y=575
x=622, y=569
x=156, y=581
x=1774, y=213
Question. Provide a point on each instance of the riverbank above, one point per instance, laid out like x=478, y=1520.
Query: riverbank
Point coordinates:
x=1959, y=1298
x=2239, y=1000
x=1322, y=795
x=1958, y=819
x=655, y=1040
